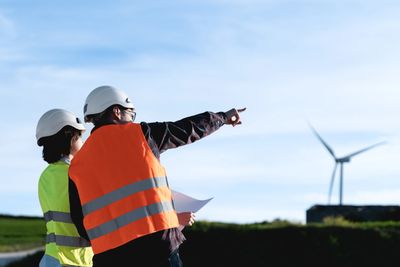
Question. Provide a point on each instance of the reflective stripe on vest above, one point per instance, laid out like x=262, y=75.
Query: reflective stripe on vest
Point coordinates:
x=123, y=192
x=57, y=216
x=128, y=218
x=62, y=240
x=68, y=241
x=122, y=187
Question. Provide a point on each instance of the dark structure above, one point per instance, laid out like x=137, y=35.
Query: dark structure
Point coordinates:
x=317, y=213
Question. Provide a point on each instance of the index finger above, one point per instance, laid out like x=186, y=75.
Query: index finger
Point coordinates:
x=241, y=109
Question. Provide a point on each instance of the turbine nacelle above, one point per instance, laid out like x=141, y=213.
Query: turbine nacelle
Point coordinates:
x=342, y=160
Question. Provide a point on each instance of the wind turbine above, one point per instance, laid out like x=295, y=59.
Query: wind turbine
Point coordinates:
x=340, y=161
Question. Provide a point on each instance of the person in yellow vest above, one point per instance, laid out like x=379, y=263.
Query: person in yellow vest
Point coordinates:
x=59, y=133
x=119, y=194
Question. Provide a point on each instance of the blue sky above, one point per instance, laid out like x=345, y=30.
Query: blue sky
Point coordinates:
x=334, y=64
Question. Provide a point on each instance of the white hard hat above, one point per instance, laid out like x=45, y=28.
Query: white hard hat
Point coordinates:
x=104, y=97
x=54, y=120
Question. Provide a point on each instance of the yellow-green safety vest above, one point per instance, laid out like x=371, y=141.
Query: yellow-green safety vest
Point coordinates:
x=62, y=241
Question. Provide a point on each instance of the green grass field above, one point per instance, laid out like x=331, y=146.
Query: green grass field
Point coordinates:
x=20, y=233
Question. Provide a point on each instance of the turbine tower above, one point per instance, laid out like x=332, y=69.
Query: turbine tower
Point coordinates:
x=340, y=161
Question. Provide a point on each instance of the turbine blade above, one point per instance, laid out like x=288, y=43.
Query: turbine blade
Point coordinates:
x=364, y=149
x=331, y=184
x=323, y=142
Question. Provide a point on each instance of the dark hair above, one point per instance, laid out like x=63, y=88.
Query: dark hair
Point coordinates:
x=58, y=145
x=105, y=117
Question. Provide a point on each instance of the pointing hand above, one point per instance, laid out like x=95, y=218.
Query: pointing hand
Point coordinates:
x=233, y=117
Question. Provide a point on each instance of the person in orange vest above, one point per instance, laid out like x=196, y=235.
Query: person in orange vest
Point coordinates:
x=119, y=194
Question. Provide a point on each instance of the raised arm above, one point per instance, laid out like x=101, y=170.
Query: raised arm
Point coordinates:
x=167, y=135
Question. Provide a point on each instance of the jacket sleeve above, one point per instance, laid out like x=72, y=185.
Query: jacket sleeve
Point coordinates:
x=76, y=209
x=167, y=135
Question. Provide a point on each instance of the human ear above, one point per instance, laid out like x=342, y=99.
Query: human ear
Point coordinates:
x=117, y=112
x=74, y=139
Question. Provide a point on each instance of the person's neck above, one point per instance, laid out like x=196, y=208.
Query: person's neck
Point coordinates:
x=109, y=122
x=67, y=159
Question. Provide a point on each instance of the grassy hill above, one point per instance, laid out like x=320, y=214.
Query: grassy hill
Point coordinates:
x=21, y=232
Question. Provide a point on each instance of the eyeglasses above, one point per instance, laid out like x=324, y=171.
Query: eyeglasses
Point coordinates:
x=130, y=112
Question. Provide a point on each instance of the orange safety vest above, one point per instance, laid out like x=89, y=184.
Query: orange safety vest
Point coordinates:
x=122, y=187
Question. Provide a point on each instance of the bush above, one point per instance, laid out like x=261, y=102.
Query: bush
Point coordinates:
x=280, y=243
